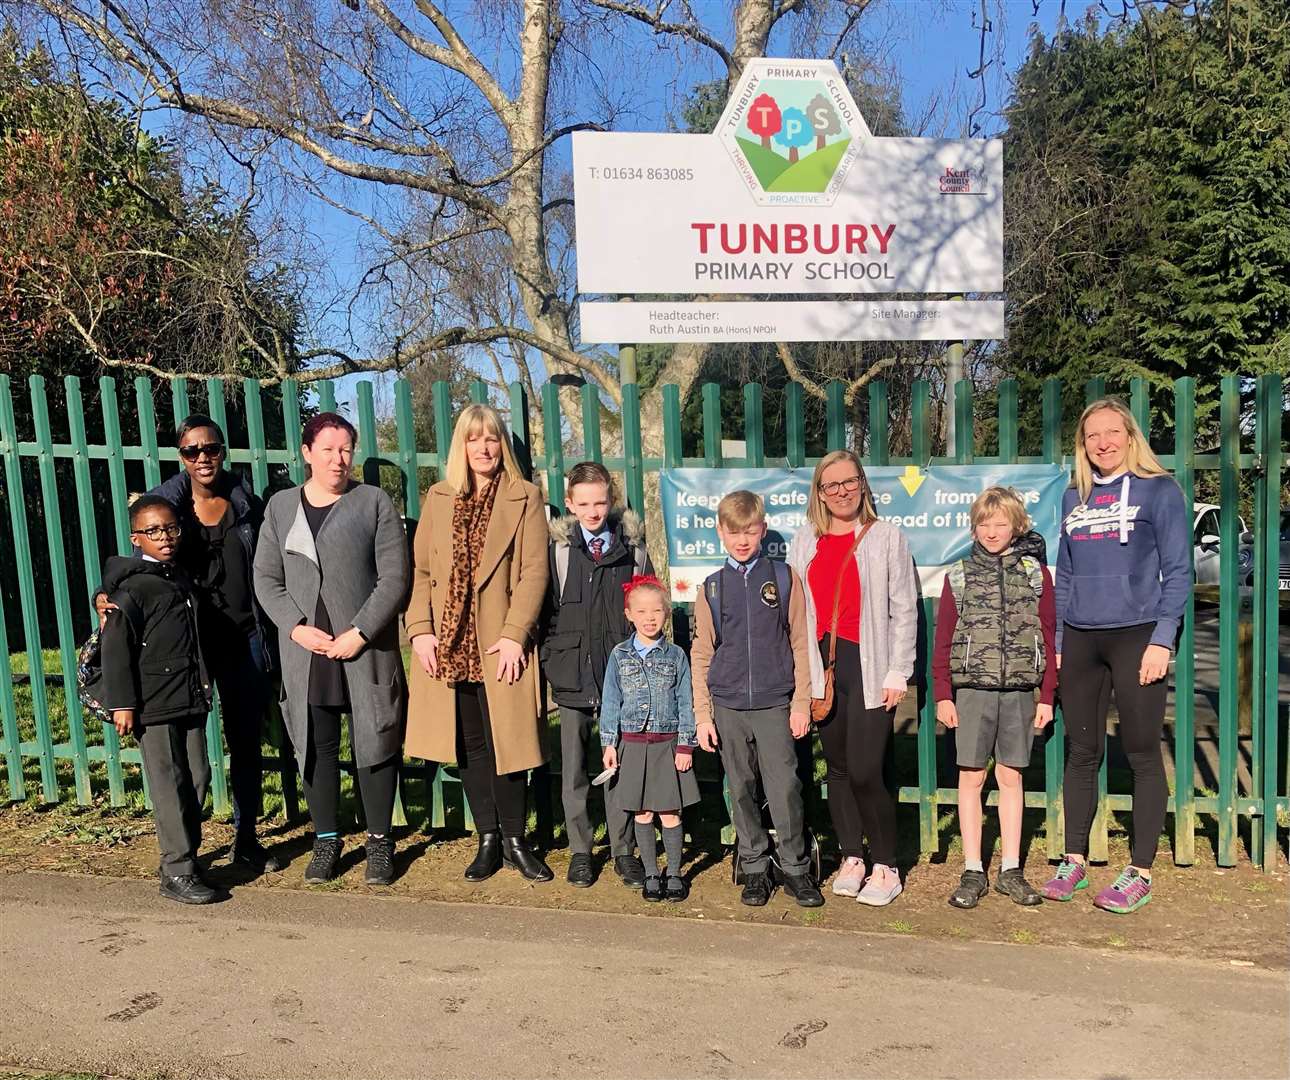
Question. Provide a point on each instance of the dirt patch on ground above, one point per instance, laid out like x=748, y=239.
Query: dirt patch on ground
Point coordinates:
x=1236, y=915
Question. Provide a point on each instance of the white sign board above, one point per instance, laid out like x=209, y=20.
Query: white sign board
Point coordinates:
x=792, y=320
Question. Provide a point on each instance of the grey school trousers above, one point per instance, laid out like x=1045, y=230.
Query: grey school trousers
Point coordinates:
x=577, y=729
x=758, y=742
x=178, y=772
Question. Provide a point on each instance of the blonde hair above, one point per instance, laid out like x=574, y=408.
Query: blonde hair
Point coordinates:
x=473, y=420
x=1138, y=457
x=817, y=513
x=1001, y=500
x=740, y=509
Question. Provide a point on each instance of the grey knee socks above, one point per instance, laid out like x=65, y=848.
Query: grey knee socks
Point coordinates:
x=672, y=846
x=647, y=844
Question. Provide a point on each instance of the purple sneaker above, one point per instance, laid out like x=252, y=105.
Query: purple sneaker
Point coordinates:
x=1128, y=893
x=1069, y=879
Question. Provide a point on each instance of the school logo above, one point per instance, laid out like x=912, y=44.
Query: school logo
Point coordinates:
x=793, y=131
x=770, y=594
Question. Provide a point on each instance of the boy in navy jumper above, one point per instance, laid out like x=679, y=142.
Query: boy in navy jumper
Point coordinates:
x=752, y=695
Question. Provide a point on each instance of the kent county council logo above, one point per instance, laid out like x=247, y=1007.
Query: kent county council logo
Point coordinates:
x=793, y=131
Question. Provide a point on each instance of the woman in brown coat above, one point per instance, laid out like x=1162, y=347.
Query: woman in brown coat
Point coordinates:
x=478, y=585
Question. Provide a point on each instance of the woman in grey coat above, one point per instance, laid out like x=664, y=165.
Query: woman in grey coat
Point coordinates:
x=331, y=571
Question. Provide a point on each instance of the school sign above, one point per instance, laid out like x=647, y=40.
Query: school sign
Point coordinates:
x=930, y=505
x=792, y=194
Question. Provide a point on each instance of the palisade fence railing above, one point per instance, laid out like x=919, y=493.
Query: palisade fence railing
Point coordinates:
x=98, y=480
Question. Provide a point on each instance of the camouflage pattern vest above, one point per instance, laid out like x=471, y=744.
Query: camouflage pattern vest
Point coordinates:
x=999, y=640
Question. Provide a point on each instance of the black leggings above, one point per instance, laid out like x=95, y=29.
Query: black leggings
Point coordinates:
x=496, y=801
x=1095, y=664
x=321, y=776
x=855, y=743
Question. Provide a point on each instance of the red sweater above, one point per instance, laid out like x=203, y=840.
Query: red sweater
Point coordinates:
x=822, y=576
x=947, y=618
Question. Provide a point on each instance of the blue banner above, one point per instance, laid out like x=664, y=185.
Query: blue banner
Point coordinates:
x=931, y=505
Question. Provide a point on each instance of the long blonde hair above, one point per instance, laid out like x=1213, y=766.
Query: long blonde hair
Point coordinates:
x=817, y=513
x=473, y=420
x=1138, y=457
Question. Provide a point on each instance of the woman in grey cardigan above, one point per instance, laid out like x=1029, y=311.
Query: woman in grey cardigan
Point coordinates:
x=875, y=589
x=331, y=571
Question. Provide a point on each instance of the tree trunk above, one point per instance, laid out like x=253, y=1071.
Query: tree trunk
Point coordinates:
x=792, y=153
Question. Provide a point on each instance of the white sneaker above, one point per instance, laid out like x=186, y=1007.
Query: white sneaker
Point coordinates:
x=850, y=877
x=881, y=889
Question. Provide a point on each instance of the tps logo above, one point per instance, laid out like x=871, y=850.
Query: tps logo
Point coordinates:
x=792, y=131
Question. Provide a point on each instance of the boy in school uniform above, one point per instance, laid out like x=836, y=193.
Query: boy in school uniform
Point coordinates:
x=995, y=630
x=155, y=686
x=752, y=696
x=594, y=552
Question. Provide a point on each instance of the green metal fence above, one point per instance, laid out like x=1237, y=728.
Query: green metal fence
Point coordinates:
x=102, y=761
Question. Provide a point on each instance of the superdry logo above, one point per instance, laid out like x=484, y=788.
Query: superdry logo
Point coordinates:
x=961, y=182
x=1098, y=521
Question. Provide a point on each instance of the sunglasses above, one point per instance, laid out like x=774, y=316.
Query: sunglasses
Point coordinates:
x=155, y=532
x=195, y=450
x=852, y=483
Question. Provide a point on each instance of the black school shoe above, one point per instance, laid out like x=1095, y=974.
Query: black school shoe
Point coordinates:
x=581, y=873
x=380, y=860
x=802, y=889
x=188, y=889
x=652, y=890
x=678, y=889
x=247, y=853
x=758, y=889
x=972, y=886
x=630, y=870
x=325, y=860
x=1012, y=884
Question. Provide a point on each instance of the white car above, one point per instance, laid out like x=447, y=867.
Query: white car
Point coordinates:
x=1205, y=539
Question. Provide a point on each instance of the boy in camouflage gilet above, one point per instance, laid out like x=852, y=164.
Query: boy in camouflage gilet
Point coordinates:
x=995, y=632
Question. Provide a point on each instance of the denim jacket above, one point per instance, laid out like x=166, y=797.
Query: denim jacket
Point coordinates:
x=650, y=693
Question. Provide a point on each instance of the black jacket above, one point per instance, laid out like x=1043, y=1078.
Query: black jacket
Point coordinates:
x=585, y=623
x=158, y=672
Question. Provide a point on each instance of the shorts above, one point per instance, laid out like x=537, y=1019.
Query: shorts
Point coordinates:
x=997, y=724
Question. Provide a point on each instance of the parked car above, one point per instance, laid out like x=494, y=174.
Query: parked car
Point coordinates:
x=1205, y=534
x=1245, y=557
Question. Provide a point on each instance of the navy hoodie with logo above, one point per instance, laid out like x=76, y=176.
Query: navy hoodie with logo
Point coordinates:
x=1125, y=557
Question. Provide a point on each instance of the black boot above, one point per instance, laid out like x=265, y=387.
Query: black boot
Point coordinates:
x=488, y=860
x=248, y=853
x=380, y=860
x=516, y=853
x=325, y=860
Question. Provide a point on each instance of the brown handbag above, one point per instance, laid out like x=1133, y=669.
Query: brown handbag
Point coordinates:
x=822, y=706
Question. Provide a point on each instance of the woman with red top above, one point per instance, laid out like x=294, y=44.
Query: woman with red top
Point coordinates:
x=844, y=551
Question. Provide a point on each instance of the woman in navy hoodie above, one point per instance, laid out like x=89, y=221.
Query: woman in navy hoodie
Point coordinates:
x=1123, y=577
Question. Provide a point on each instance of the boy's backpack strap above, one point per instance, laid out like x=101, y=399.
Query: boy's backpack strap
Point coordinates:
x=131, y=610
x=784, y=585
x=1034, y=571
x=561, y=555
x=640, y=556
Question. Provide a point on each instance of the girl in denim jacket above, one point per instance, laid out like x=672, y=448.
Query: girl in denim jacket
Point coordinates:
x=647, y=731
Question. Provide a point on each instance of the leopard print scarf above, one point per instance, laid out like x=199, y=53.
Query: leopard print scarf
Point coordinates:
x=459, y=659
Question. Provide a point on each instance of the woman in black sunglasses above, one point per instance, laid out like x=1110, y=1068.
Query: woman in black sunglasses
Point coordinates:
x=221, y=517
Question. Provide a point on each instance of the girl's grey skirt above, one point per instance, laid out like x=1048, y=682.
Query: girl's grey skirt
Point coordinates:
x=647, y=778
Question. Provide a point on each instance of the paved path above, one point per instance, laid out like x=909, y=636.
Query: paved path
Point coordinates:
x=102, y=974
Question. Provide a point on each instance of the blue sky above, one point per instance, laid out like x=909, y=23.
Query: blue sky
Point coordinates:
x=931, y=45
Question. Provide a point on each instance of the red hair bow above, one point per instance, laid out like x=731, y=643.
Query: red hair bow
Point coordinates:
x=637, y=581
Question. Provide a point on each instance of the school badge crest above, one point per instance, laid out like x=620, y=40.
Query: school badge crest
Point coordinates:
x=770, y=594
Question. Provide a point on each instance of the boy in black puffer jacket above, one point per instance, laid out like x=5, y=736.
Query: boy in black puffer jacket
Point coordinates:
x=594, y=552
x=155, y=686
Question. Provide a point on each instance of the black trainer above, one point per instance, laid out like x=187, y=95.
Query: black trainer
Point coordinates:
x=247, y=853
x=630, y=870
x=325, y=860
x=188, y=889
x=1013, y=884
x=581, y=873
x=677, y=889
x=380, y=860
x=802, y=889
x=758, y=890
x=652, y=889
x=972, y=886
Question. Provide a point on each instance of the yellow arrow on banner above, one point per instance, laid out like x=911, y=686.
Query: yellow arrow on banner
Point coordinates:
x=912, y=480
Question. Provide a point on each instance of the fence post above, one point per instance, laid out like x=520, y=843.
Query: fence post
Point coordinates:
x=835, y=416
x=1055, y=747
x=711, y=426
x=633, y=456
x=405, y=425
x=920, y=433
x=591, y=422
x=255, y=435
x=879, y=428
x=292, y=430
x=754, y=430
x=326, y=395
x=794, y=427
x=441, y=401
x=1008, y=421
x=1228, y=616
x=554, y=446
x=1185, y=662
x=672, y=446
x=521, y=438
x=61, y=588
x=369, y=452
x=27, y=593
x=1267, y=602
x=9, y=719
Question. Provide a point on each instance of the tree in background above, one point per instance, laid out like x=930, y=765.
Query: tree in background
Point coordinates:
x=824, y=119
x=1147, y=179
x=764, y=119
